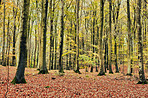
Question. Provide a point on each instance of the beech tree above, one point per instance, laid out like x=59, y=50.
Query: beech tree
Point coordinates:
x=140, y=45
x=102, y=70
x=3, y=48
x=19, y=77
x=77, y=37
x=129, y=38
x=43, y=68
x=14, y=33
x=61, y=70
x=110, y=37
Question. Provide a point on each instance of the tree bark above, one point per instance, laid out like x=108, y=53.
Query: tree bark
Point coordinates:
x=110, y=36
x=61, y=70
x=55, y=50
x=43, y=69
x=35, y=48
x=3, y=48
x=102, y=71
x=19, y=77
x=14, y=33
x=116, y=33
x=129, y=38
x=140, y=45
x=77, y=37
x=51, y=36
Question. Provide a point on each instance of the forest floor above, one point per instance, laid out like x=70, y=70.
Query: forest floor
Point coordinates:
x=85, y=85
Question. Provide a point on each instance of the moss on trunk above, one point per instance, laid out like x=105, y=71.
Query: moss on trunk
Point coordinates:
x=144, y=82
x=16, y=81
x=77, y=71
x=43, y=72
x=61, y=71
x=101, y=74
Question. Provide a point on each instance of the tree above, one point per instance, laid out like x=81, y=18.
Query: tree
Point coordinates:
x=140, y=45
x=43, y=69
x=93, y=37
x=77, y=37
x=3, y=48
x=110, y=37
x=101, y=35
x=14, y=33
x=51, y=57
x=62, y=39
x=129, y=38
x=116, y=16
x=56, y=41
x=19, y=77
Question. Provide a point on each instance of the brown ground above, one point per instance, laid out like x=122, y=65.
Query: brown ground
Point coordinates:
x=85, y=85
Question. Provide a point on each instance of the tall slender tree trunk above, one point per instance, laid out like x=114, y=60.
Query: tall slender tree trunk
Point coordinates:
x=43, y=69
x=70, y=61
x=67, y=66
x=3, y=48
x=77, y=37
x=110, y=37
x=51, y=57
x=98, y=37
x=140, y=45
x=129, y=38
x=102, y=71
x=14, y=33
x=61, y=70
x=93, y=37
x=28, y=44
x=38, y=33
x=8, y=42
x=55, y=50
x=106, y=47
x=35, y=48
x=145, y=22
x=115, y=36
x=19, y=77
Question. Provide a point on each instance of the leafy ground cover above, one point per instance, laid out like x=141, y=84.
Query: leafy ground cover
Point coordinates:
x=85, y=85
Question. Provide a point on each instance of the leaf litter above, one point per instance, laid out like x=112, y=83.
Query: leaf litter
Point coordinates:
x=85, y=85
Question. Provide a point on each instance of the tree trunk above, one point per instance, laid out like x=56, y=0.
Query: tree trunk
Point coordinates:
x=77, y=37
x=145, y=22
x=3, y=48
x=140, y=45
x=28, y=44
x=55, y=50
x=106, y=47
x=115, y=36
x=8, y=43
x=70, y=62
x=102, y=71
x=35, y=49
x=129, y=38
x=51, y=37
x=19, y=77
x=110, y=36
x=43, y=69
x=14, y=34
x=93, y=37
x=38, y=33
x=61, y=70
